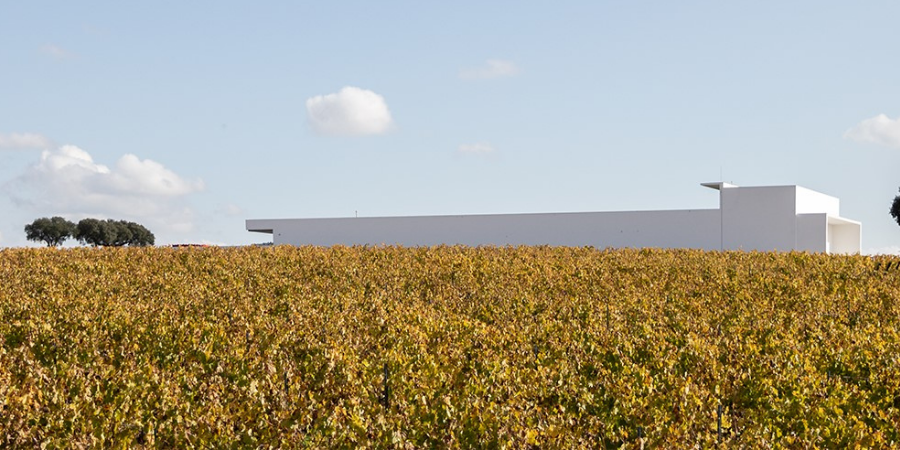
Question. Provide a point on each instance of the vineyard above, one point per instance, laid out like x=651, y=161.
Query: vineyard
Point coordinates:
x=447, y=347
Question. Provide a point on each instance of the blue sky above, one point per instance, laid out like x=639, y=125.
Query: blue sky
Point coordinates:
x=191, y=118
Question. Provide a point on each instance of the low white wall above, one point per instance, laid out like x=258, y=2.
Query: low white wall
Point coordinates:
x=761, y=218
x=667, y=229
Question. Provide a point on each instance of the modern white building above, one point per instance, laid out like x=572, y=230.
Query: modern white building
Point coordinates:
x=763, y=218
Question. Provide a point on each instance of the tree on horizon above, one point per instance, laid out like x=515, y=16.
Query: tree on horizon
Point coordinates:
x=113, y=233
x=53, y=231
x=895, y=209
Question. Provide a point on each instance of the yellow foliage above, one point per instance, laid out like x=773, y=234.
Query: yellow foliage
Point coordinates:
x=448, y=347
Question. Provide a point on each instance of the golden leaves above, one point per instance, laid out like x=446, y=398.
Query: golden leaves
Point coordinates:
x=446, y=347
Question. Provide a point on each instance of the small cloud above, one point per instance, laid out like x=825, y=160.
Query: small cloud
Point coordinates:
x=350, y=112
x=56, y=52
x=22, y=141
x=877, y=130
x=493, y=68
x=478, y=148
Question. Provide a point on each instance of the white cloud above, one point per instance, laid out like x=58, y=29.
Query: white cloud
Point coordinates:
x=350, y=112
x=18, y=141
x=56, y=52
x=476, y=148
x=877, y=130
x=148, y=178
x=68, y=182
x=492, y=68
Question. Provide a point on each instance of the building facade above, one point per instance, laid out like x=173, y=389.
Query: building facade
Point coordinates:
x=765, y=218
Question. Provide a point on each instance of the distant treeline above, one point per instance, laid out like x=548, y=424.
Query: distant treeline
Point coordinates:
x=107, y=233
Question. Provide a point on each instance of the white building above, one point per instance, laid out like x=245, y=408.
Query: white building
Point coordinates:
x=764, y=218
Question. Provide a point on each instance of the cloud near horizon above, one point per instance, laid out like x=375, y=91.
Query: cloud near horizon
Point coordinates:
x=67, y=182
x=24, y=141
x=879, y=130
x=492, y=68
x=349, y=112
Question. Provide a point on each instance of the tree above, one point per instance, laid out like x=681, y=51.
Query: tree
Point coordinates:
x=54, y=231
x=121, y=231
x=92, y=231
x=140, y=235
x=895, y=209
x=113, y=233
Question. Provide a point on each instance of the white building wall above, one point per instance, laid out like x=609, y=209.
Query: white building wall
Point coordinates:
x=811, y=202
x=758, y=218
x=812, y=233
x=844, y=236
x=765, y=218
x=667, y=229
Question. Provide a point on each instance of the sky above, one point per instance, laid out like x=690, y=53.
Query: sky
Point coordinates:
x=191, y=117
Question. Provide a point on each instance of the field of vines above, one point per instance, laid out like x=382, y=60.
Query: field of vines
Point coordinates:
x=447, y=347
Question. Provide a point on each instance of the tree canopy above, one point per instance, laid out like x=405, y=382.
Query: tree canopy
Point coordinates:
x=895, y=209
x=113, y=233
x=54, y=231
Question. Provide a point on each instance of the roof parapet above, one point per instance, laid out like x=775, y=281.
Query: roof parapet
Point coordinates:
x=718, y=185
